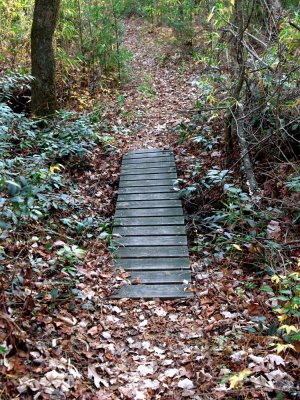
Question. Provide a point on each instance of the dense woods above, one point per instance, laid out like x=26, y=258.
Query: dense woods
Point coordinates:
x=81, y=84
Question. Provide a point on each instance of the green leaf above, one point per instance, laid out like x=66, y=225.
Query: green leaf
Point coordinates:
x=4, y=225
x=267, y=289
x=3, y=350
x=285, y=291
x=251, y=329
x=13, y=188
x=54, y=293
x=283, y=298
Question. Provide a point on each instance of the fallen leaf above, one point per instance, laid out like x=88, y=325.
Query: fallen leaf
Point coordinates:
x=93, y=374
x=273, y=230
x=185, y=384
x=92, y=331
x=171, y=372
x=145, y=370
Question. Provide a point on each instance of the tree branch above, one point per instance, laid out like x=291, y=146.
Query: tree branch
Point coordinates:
x=294, y=25
x=249, y=172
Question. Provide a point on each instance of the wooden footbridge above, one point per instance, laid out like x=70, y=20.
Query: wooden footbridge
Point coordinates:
x=149, y=231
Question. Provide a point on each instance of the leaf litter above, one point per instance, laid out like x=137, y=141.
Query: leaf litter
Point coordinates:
x=96, y=348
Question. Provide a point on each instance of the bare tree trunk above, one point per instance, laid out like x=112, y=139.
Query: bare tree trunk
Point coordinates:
x=237, y=55
x=45, y=19
x=229, y=116
x=246, y=161
x=236, y=113
x=80, y=27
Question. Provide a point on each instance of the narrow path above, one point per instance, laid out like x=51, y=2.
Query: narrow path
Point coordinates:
x=159, y=87
x=152, y=246
x=160, y=68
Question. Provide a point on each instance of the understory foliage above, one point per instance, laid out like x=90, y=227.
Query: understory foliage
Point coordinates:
x=32, y=179
x=39, y=197
x=88, y=42
x=250, y=68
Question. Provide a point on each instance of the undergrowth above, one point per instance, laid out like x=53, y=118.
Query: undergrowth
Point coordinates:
x=41, y=203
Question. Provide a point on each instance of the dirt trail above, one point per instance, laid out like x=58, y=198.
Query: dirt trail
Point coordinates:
x=159, y=87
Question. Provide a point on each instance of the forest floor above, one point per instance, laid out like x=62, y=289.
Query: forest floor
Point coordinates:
x=200, y=348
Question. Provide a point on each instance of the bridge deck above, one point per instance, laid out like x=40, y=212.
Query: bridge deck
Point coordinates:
x=149, y=232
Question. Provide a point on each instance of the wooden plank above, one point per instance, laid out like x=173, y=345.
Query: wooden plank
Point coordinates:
x=149, y=212
x=143, y=177
x=149, y=221
x=151, y=252
x=156, y=154
x=146, y=189
x=156, y=160
x=148, y=171
x=147, y=164
x=149, y=230
x=154, y=264
x=165, y=164
x=148, y=150
x=147, y=153
x=171, y=276
x=160, y=153
x=146, y=156
x=151, y=241
x=168, y=291
x=148, y=204
x=148, y=196
x=147, y=182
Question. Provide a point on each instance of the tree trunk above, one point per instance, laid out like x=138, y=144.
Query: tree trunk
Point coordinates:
x=229, y=117
x=236, y=113
x=45, y=18
x=238, y=65
x=246, y=160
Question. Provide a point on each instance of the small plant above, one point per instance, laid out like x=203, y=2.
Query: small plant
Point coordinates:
x=14, y=82
x=293, y=183
x=69, y=257
x=250, y=285
x=107, y=235
x=188, y=131
x=147, y=90
x=87, y=227
x=285, y=290
x=214, y=177
x=220, y=342
x=206, y=140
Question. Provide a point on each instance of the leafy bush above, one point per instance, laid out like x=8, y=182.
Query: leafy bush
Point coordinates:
x=93, y=31
x=293, y=183
x=39, y=201
x=10, y=83
x=285, y=291
x=31, y=179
